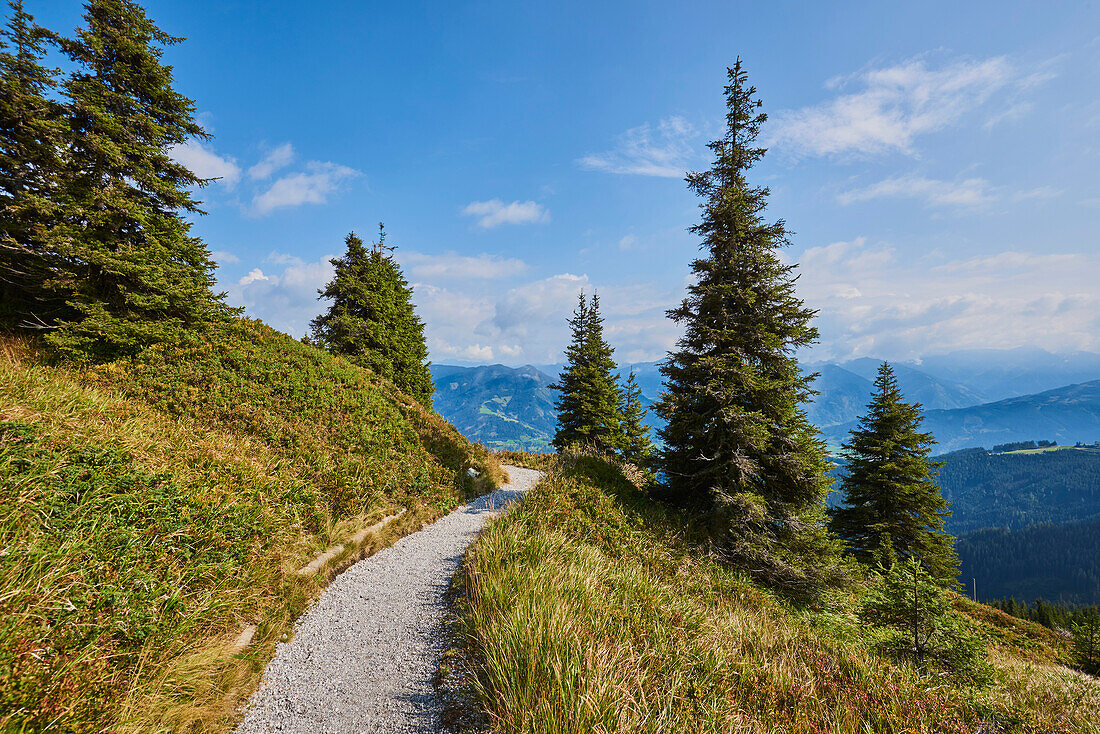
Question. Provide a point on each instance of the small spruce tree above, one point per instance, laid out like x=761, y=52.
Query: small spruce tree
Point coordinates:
x=372, y=320
x=589, y=404
x=915, y=613
x=890, y=494
x=1086, y=640
x=32, y=134
x=135, y=275
x=737, y=444
x=637, y=447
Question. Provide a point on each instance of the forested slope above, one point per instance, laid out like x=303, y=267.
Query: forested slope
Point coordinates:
x=1058, y=563
x=155, y=506
x=1014, y=490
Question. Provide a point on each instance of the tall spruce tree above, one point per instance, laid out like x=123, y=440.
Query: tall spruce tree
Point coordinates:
x=372, y=320
x=890, y=493
x=738, y=445
x=136, y=275
x=570, y=406
x=637, y=447
x=32, y=134
x=589, y=404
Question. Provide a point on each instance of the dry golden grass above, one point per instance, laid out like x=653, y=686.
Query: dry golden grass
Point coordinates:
x=587, y=610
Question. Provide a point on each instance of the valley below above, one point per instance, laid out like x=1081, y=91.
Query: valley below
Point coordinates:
x=1026, y=519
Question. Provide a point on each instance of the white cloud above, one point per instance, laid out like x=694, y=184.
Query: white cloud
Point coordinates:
x=452, y=265
x=1008, y=261
x=627, y=242
x=223, y=256
x=310, y=187
x=1041, y=193
x=1013, y=112
x=495, y=212
x=278, y=157
x=874, y=302
x=287, y=299
x=891, y=107
x=253, y=276
x=970, y=192
x=666, y=151
x=206, y=163
x=466, y=322
x=282, y=258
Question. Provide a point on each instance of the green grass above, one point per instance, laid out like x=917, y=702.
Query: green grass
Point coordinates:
x=151, y=508
x=1047, y=449
x=590, y=608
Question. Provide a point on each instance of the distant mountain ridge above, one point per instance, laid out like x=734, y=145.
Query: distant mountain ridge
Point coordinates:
x=946, y=385
x=1067, y=415
x=500, y=407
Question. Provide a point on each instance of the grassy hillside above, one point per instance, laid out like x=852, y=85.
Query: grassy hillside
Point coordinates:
x=590, y=609
x=153, y=509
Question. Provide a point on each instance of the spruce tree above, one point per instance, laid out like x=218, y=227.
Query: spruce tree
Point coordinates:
x=637, y=448
x=32, y=134
x=572, y=413
x=737, y=444
x=136, y=275
x=589, y=405
x=917, y=614
x=1086, y=640
x=372, y=320
x=889, y=490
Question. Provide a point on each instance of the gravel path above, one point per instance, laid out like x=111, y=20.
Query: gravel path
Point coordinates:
x=363, y=656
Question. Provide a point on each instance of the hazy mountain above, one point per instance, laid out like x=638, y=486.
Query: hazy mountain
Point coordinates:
x=500, y=407
x=842, y=396
x=1066, y=415
x=1005, y=373
x=919, y=386
x=947, y=385
x=846, y=389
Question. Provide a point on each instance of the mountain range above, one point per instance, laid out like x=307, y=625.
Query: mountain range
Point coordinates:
x=971, y=398
x=497, y=406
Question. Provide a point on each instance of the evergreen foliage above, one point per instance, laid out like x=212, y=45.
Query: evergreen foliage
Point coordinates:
x=637, y=447
x=1086, y=642
x=134, y=273
x=372, y=320
x=1016, y=490
x=915, y=611
x=590, y=403
x=889, y=488
x=32, y=131
x=1059, y=562
x=572, y=412
x=738, y=444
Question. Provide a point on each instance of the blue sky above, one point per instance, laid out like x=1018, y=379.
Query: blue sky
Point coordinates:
x=937, y=162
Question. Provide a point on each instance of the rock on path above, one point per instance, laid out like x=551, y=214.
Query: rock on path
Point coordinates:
x=363, y=656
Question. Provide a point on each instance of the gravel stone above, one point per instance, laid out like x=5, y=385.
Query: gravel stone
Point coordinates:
x=363, y=656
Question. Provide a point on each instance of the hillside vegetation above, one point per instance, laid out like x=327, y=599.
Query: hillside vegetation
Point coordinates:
x=1017, y=489
x=155, y=506
x=593, y=608
x=1059, y=563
